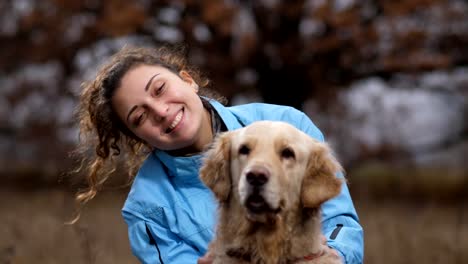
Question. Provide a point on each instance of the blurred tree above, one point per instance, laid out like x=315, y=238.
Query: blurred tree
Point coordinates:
x=287, y=51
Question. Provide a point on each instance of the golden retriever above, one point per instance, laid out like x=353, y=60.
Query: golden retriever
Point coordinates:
x=270, y=180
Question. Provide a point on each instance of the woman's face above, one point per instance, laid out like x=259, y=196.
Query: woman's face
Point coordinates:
x=163, y=108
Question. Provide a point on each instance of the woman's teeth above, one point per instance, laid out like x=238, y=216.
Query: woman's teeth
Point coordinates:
x=175, y=122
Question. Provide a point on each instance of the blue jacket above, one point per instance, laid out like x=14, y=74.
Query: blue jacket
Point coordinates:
x=171, y=215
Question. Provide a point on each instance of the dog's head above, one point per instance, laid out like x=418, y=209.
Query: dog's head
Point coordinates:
x=269, y=167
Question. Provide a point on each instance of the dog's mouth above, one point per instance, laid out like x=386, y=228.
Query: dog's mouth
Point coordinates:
x=256, y=204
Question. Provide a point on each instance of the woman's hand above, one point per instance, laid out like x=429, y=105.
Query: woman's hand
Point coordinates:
x=328, y=251
x=325, y=251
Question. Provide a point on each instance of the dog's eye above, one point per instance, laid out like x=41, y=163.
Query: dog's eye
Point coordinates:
x=244, y=150
x=287, y=153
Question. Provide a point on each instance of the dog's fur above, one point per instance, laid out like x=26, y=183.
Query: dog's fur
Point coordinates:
x=270, y=180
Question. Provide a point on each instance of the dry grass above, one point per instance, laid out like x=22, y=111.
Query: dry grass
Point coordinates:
x=380, y=180
x=404, y=231
x=412, y=215
x=32, y=229
x=397, y=230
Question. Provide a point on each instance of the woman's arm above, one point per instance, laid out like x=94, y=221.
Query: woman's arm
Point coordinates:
x=152, y=243
x=340, y=222
x=341, y=227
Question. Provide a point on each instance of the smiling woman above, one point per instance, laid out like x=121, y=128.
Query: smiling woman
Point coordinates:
x=163, y=108
x=149, y=104
x=112, y=120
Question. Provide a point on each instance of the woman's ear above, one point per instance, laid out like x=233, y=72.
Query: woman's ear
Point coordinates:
x=186, y=77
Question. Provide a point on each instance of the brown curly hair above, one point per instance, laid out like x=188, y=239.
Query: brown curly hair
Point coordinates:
x=104, y=140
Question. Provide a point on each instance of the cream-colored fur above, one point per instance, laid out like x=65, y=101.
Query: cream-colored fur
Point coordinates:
x=270, y=180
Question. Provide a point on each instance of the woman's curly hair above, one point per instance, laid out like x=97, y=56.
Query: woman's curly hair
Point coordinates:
x=104, y=139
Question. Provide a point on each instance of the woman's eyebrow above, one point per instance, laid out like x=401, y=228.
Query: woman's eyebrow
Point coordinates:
x=148, y=84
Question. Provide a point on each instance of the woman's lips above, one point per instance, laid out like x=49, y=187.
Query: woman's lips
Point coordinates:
x=175, y=122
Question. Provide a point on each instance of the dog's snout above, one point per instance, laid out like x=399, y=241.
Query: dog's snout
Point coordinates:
x=257, y=176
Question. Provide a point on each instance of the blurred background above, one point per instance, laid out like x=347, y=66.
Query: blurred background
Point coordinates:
x=386, y=81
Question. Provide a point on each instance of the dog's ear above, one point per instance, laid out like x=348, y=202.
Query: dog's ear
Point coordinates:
x=320, y=182
x=215, y=171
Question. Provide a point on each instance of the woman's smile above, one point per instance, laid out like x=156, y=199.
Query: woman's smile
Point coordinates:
x=175, y=122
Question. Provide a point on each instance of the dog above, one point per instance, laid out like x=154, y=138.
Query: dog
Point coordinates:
x=269, y=179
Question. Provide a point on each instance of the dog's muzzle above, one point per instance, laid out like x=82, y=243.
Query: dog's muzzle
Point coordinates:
x=257, y=178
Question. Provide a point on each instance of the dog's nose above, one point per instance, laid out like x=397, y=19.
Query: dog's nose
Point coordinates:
x=257, y=176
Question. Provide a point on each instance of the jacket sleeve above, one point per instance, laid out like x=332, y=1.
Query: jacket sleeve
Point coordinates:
x=340, y=223
x=341, y=227
x=152, y=243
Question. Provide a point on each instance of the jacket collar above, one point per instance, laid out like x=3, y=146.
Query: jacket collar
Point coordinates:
x=229, y=119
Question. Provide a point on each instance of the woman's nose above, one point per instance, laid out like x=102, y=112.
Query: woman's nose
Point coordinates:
x=159, y=109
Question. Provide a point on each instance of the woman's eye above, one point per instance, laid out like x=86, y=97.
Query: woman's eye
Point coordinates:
x=139, y=119
x=160, y=89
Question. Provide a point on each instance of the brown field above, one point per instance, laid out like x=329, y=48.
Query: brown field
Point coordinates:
x=396, y=231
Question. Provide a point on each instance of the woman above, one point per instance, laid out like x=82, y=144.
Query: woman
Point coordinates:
x=148, y=103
